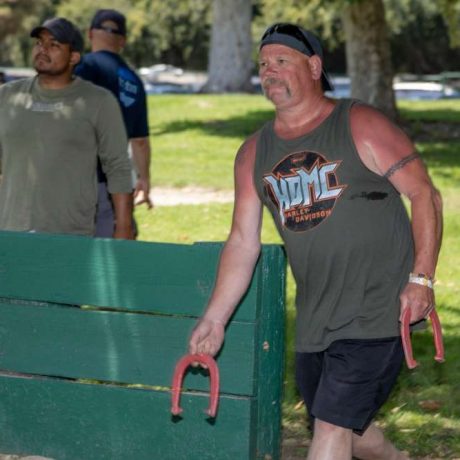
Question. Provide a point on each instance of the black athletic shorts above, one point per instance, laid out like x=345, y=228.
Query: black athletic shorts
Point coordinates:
x=347, y=383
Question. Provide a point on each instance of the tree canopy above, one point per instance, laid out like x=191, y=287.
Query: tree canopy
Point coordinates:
x=178, y=31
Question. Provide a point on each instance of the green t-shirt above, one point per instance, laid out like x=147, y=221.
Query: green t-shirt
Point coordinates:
x=49, y=144
x=346, y=232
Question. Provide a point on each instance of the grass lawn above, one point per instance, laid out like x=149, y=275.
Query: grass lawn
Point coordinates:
x=195, y=138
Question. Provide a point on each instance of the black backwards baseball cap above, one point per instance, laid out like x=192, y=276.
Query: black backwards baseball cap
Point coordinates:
x=63, y=31
x=109, y=15
x=297, y=38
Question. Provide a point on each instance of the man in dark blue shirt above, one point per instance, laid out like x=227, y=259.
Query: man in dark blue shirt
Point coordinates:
x=105, y=67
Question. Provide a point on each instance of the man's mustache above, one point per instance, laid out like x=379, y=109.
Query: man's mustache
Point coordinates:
x=271, y=81
x=42, y=56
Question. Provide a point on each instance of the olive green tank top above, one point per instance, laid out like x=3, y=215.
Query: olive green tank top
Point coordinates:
x=345, y=229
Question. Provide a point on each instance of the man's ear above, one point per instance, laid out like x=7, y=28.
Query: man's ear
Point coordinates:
x=316, y=66
x=121, y=42
x=75, y=57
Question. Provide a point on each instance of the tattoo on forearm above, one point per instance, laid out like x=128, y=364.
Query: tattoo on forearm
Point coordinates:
x=401, y=163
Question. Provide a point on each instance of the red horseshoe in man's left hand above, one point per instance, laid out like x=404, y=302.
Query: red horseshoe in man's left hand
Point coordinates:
x=406, y=341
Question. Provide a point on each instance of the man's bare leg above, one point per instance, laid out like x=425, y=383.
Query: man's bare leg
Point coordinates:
x=372, y=445
x=330, y=442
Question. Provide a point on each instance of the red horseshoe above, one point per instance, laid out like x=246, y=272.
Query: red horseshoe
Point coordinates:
x=407, y=344
x=179, y=371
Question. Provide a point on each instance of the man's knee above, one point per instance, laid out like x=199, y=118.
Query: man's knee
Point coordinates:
x=322, y=428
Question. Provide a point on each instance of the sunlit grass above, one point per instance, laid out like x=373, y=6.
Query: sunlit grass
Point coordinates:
x=195, y=137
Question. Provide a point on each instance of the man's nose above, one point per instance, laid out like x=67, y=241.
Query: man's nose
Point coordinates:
x=268, y=72
x=43, y=46
x=270, y=68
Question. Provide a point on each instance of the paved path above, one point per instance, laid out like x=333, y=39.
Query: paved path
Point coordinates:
x=170, y=196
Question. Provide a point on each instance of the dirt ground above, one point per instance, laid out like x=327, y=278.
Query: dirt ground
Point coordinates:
x=293, y=451
x=16, y=457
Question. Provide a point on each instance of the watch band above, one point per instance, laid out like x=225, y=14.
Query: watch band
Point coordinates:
x=422, y=279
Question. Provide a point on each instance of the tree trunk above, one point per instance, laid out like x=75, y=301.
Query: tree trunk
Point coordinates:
x=368, y=54
x=230, y=63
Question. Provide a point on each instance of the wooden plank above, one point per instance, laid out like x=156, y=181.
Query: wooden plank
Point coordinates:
x=116, y=346
x=133, y=275
x=70, y=421
x=270, y=356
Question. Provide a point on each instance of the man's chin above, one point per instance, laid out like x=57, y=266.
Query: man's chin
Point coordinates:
x=40, y=68
x=276, y=94
x=48, y=72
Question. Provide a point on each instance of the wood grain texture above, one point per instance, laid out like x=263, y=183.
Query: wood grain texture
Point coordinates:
x=130, y=275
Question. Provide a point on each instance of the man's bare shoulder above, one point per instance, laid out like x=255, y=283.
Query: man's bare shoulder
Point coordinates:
x=368, y=123
x=247, y=151
x=379, y=141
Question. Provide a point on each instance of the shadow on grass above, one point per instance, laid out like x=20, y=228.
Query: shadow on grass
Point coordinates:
x=423, y=414
x=441, y=154
x=240, y=126
x=431, y=440
x=431, y=114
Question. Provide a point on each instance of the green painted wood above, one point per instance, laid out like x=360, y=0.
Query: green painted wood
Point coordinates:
x=133, y=275
x=116, y=346
x=70, y=421
x=270, y=357
x=131, y=345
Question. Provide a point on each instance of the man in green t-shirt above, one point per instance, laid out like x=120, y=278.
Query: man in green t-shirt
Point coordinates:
x=53, y=127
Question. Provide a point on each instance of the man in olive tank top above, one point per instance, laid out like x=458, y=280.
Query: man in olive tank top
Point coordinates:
x=331, y=174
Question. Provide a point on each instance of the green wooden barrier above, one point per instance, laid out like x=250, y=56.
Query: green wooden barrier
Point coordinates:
x=93, y=382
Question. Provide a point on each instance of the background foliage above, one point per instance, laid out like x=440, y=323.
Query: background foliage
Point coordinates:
x=177, y=31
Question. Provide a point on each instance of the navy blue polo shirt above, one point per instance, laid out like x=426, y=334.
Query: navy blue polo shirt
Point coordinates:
x=110, y=71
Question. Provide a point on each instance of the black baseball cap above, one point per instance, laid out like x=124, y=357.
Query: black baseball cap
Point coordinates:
x=297, y=38
x=63, y=31
x=109, y=15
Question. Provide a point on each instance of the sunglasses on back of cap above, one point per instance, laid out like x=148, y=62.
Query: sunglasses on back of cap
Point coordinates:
x=292, y=31
x=110, y=30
